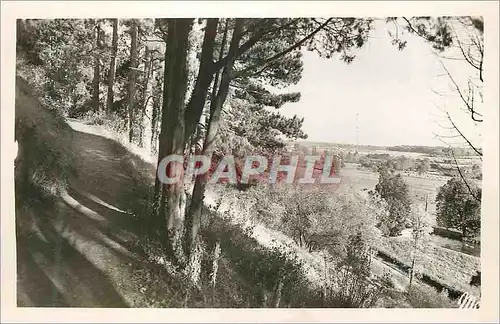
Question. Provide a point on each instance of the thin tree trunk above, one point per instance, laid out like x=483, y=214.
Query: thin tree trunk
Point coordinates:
x=132, y=78
x=97, y=68
x=145, y=93
x=193, y=216
x=154, y=124
x=325, y=285
x=111, y=74
x=277, y=294
x=412, y=269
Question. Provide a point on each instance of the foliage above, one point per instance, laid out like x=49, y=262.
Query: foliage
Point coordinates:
x=111, y=121
x=315, y=217
x=417, y=296
x=422, y=296
x=260, y=270
x=62, y=55
x=476, y=172
x=343, y=225
x=61, y=48
x=392, y=188
x=437, y=31
x=423, y=166
x=351, y=283
x=351, y=157
x=429, y=150
x=248, y=127
x=421, y=223
x=401, y=163
x=457, y=208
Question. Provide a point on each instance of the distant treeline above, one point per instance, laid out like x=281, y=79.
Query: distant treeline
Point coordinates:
x=429, y=150
x=432, y=150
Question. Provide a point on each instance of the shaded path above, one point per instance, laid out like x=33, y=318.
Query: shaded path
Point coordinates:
x=74, y=252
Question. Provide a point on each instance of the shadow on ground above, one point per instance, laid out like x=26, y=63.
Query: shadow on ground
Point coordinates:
x=73, y=250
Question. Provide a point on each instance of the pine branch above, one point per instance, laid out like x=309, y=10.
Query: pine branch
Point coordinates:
x=284, y=52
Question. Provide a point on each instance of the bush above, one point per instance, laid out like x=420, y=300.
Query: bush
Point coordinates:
x=112, y=122
x=393, y=189
x=351, y=285
x=458, y=205
x=269, y=276
x=418, y=296
x=422, y=296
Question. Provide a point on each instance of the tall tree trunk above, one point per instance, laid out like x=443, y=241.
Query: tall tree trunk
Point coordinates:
x=154, y=123
x=145, y=93
x=97, y=67
x=172, y=139
x=111, y=74
x=205, y=76
x=132, y=78
x=193, y=216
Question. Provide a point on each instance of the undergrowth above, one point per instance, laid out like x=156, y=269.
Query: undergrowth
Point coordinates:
x=45, y=159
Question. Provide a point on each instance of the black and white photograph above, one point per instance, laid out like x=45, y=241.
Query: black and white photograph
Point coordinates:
x=232, y=162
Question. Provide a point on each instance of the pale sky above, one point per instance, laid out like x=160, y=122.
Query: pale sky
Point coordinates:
x=390, y=90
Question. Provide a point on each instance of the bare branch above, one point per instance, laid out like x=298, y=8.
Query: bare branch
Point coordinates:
x=466, y=56
x=465, y=101
x=463, y=177
x=464, y=137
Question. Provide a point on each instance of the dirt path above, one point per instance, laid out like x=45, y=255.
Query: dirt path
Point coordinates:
x=74, y=252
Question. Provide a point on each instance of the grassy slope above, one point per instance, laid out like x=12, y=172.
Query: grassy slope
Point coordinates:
x=443, y=265
x=45, y=157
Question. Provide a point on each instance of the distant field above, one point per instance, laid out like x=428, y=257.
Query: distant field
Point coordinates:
x=419, y=186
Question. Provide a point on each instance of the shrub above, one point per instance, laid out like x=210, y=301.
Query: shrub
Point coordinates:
x=422, y=296
x=351, y=285
x=392, y=188
x=458, y=205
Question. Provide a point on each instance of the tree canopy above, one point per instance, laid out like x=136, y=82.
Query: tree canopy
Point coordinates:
x=457, y=208
x=392, y=188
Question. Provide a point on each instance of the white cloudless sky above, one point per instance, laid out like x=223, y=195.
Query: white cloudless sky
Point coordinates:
x=385, y=93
